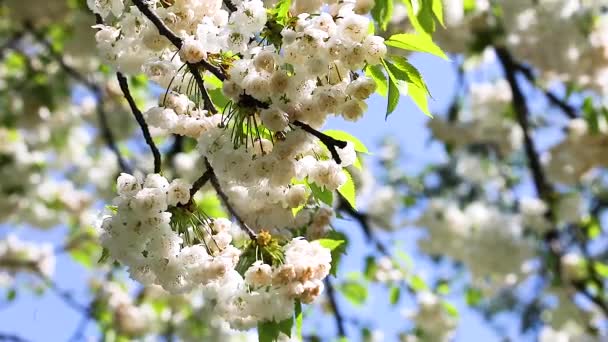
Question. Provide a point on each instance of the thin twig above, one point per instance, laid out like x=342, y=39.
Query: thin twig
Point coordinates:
x=107, y=134
x=569, y=110
x=201, y=86
x=78, y=334
x=331, y=295
x=363, y=220
x=176, y=147
x=230, y=6
x=98, y=93
x=65, y=296
x=329, y=142
x=593, y=298
x=200, y=182
x=8, y=337
x=216, y=185
x=139, y=117
x=543, y=188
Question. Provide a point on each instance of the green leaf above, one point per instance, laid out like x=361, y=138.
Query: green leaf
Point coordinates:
x=473, y=296
x=295, y=211
x=82, y=256
x=348, y=191
x=450, y=309
x=395, y=294
x=354, y=292
x=270, y=331
x=398, y=76
x=412, y=75
x=426, y=17
x=412, y=16
x=591, y=115
x=330, y=244
x=211, y=205
x=438, y=11
x=382, y=12
x=592, y=228
x=443, y=288
x=281, y=10
x=393, y=97
x=469, y=6
x=417, y=283
x=11, y=294
x=404, y=258
x=415, y=42
x=344, y=136
x=375, y=72
x=322, y=195
x=601, y=269
x=338, y=249
x=299, y=319
x=370, y=267
x=105, y=254
x=419, y=96
x=407, y=77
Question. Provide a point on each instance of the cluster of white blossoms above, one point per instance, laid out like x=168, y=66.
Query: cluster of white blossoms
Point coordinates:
x=580, y=152
x=263, y=147
x=572, y=33
x=569, y=333
x=387, y=272
x=484, y=120
x=139, y=234
x=310, y=74
x=129, y=318
x=432, y=318
x=267, y=293
x=489, y=242
x=17, y=255
x=145, y=313
x=260, y=184
x=323, y=53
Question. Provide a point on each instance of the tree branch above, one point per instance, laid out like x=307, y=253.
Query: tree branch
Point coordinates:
x=8, y=337
x=331, y=295
x=328, y=141
x=98, y=93
x=165, y=31
x=201, y=86
x=569, y=110
x=363, y=220
x=200, y=182
x=139, y=117
x=229, y=5
x=543, y=188
x=176, y=147
x=216, y=185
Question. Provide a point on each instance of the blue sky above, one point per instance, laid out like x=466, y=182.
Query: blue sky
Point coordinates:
x=47, y=318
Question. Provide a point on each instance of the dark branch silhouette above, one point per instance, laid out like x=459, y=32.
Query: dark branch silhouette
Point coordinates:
x=200, y=182
x=331, y=295
x=97, y=91
x=124, y=86
x=328, y=141
x=165, y=31
x=543, y=188
x=216, y=185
